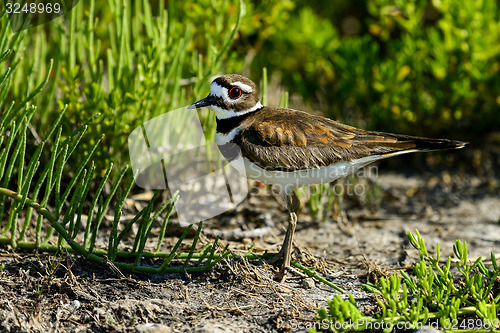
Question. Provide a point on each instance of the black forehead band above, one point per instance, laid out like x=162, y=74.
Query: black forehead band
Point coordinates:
x=223, y=83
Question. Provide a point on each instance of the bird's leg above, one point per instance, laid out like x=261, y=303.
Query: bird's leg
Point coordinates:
x=293, y=204
x=281, y=253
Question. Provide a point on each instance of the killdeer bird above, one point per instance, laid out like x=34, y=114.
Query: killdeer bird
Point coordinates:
x=289, y=149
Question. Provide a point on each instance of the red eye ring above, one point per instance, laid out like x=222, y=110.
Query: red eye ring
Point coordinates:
x=235, y=92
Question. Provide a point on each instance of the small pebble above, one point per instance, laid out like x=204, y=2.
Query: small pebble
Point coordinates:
x=308, y=283
x=153, y=328
x=76, y=303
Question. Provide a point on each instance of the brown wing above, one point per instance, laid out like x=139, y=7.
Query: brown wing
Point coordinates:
x=289, y=140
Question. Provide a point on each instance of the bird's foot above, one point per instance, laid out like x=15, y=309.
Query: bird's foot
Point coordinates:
x=280, y=276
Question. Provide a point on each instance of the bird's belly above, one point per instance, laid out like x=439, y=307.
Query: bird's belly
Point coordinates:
x=287, y=181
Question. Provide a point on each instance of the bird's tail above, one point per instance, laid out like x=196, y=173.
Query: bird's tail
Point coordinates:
x=415, y=143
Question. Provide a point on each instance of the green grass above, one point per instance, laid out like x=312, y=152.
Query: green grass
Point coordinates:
x=465, y=299
x=64, y=119
x=127, y=60
x=68, y=199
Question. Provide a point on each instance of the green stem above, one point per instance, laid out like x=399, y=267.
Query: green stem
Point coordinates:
x=315, y=275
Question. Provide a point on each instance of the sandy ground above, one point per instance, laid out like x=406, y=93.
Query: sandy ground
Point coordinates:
x=356, y=243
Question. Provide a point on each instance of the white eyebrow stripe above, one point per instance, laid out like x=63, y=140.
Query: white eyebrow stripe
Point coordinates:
x=245, y=87
x=219, y=91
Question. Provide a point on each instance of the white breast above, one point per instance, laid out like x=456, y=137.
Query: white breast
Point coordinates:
x=288, y=181
x=221, y=138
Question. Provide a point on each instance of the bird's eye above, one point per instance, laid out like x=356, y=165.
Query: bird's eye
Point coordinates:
x=234, y=92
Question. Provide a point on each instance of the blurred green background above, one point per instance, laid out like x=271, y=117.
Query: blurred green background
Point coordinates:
x=414, y=66
x=422, y=67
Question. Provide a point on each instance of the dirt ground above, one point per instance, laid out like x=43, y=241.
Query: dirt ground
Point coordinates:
x=358, y=244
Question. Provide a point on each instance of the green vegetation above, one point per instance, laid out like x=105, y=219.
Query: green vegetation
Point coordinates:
x=66, y=198
x=433, y=296
x=410, y=66
x=65, y=115
x=418, y=66
x=126, y=60
x=72, y=90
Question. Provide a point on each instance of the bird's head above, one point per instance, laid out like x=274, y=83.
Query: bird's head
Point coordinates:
x=231, y=95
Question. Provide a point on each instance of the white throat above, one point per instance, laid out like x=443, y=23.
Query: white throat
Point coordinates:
x=221, y=113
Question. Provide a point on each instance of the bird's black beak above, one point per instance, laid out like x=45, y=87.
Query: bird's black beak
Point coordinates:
x=201, y=103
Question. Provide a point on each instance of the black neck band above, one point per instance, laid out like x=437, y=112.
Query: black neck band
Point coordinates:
x=225, y=126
